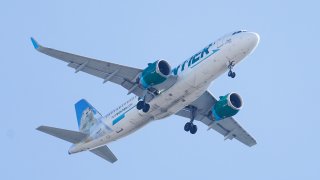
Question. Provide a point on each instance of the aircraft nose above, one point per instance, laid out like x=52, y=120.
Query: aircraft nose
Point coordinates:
x=251, y=40
x=247, y=42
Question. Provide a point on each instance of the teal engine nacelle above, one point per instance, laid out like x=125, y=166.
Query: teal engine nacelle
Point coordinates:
x=155, y=73
x=227, y=106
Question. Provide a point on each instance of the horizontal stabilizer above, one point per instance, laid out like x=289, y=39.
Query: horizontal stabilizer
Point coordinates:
x=105, y=153
x=67, y=135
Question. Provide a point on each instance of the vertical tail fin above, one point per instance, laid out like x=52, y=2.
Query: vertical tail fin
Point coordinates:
x=87, y=115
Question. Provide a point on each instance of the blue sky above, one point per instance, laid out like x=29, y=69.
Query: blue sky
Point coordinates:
x=279, y=84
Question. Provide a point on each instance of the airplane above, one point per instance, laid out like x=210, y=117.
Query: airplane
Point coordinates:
x=158, y=92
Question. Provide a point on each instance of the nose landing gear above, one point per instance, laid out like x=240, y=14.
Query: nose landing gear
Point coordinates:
x=231, y=73
x=189, y=126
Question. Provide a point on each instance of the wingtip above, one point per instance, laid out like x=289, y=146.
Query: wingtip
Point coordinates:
x=115, y=160
x=39, y=128
x=253, y=144
x=34, y=43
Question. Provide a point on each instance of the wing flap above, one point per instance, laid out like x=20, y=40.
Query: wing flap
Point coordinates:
x=98, y=73
x=234, y=130
x=230, y=129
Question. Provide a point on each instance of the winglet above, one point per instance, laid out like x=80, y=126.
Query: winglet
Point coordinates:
x=35, y=43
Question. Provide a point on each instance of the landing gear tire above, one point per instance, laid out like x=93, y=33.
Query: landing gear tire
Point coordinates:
x=146, y=108
x=140, y=105
x=193, y=129
x=187, y=126
x=233, y=74
x=190, y=127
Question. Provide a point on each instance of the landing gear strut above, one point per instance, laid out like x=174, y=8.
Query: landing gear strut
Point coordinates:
x=189, y=126
x=230, y=66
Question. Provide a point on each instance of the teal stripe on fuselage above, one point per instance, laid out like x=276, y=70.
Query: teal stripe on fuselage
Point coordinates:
x=117, y=119
x=213, y=52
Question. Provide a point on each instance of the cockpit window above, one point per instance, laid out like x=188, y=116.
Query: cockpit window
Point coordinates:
x=237, y=32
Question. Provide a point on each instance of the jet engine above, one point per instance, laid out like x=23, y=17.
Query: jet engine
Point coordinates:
x=155, y=73
x=227, y=106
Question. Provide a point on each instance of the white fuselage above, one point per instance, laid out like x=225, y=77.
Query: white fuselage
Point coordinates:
x=194, y=76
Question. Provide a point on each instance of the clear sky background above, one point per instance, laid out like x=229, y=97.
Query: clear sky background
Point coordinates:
x=279, y=84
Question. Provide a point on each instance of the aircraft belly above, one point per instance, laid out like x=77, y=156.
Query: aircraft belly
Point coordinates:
x=180, y=95
x=189, y=87
x=133, y=121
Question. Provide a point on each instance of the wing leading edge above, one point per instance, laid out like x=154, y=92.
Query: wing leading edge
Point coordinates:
x=228, y=127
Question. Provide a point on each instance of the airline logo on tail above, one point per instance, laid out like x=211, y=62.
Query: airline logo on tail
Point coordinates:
x=87, y=115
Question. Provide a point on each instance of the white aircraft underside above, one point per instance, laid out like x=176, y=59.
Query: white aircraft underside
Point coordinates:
x=183, y=91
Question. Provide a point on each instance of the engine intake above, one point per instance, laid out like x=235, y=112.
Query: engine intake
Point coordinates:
x=227, y=106
x=155, y=73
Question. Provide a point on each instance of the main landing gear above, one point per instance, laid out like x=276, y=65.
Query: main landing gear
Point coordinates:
x=143, y=105
x=189, y=126
x=230, y=66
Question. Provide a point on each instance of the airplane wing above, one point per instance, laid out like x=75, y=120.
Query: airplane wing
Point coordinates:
x=227, y=127
x=119, y=74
